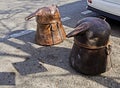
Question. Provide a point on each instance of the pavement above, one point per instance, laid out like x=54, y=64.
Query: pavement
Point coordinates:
x=24, y=64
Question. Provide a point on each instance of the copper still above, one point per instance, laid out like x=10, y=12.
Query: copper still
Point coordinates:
x=91, y=49
x=50, y=30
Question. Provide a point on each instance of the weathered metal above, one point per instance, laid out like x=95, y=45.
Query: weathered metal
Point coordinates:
x=91, y=50
x=50, y=30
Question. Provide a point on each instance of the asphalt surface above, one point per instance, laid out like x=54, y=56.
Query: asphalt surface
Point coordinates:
x=24, y=64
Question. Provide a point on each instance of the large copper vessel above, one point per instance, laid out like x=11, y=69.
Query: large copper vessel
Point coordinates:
x=91, y=50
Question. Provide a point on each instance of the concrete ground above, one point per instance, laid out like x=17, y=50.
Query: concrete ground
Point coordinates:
x=24, y=64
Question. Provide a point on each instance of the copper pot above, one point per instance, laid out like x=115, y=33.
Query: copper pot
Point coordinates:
x=91, y=49
x=50, y=30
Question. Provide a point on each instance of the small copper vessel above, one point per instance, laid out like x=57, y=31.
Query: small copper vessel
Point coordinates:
x=50, y=30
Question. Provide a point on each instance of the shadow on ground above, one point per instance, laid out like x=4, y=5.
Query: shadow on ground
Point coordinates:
x=51, y=55
x=56, y=56
x=7, y=78
x=108, y=82
x=115, y=26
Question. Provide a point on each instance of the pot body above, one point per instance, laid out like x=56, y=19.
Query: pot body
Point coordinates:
x=90, y=61
x=50, y=30
x=50, y=34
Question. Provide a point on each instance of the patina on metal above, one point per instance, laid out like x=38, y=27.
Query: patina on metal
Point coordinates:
x=50, y=30
x=91, y=49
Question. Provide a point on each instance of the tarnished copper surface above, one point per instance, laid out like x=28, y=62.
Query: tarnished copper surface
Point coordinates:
x=50, y=30
x=91, y=50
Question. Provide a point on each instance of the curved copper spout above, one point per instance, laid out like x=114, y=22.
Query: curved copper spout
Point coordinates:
x=32, y=15
x=52, y=9
x=80, y=28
